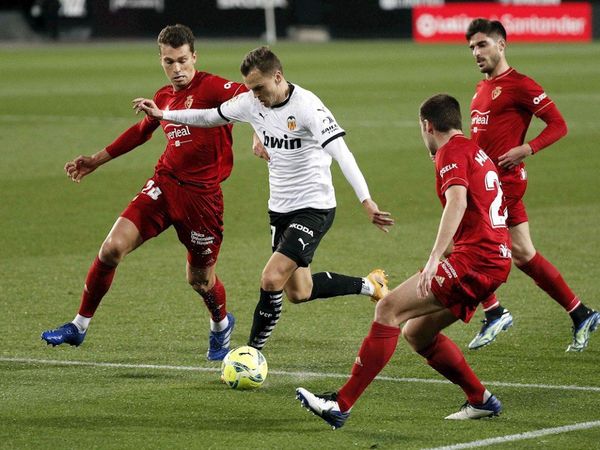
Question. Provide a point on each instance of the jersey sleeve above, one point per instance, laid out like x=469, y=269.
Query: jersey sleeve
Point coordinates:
x=321, y=122
x=452, y=168
x=532, y=96
x=238, y=108
x=133, y=137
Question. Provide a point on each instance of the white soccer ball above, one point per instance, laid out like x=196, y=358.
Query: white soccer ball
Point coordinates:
x=244, y=368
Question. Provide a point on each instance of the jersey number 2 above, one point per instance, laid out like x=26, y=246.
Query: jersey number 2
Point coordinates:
x=497, y=216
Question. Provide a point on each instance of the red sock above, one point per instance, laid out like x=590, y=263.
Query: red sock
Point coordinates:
x=375, y=352
x=490, y=303
x=445, y=357
x=97, y=284
x=547, y=277
x=215, y=300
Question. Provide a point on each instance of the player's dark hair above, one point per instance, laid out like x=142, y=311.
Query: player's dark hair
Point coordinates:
x=488, y=27
x=175, y=36
x=442, y=111
x=263, y=59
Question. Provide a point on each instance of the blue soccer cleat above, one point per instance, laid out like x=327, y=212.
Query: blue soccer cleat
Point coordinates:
x=468, y=411
x=581, y=334
x=323, y=405
x=218, y=341
x=491, y=330
x=65, y=334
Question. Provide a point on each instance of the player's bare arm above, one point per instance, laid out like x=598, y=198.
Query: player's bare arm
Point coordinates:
x=456, y=204
x=83, y=165
x=381, y=219
x=514, y=156
x=147, y=106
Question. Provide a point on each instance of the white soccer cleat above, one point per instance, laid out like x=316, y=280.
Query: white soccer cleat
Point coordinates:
x=490, y=330
x=379, y=280
x=323, y=405
x=491, y=408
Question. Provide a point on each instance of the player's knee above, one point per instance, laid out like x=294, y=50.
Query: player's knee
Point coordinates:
x=113, y=250
x=200, y=284
x=271, y=281
x=412, y=336
x=297, y=295
x=385, y=313
x=521, y=254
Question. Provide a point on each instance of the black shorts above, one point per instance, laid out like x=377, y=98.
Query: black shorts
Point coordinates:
x=297, y=234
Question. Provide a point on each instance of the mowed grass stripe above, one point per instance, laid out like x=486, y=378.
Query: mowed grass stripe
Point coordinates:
x=522, y=436
x=56, y=362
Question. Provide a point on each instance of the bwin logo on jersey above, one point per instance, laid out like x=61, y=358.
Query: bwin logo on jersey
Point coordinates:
x=288, y=144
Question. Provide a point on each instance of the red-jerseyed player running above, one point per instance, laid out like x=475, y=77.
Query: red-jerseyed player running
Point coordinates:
x=474, y=217
x=501, y=110
x=184, y=192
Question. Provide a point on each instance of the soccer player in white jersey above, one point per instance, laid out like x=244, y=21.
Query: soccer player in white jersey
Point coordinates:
x=300, y=137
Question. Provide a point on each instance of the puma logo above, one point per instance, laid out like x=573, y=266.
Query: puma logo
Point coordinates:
x=303, y=244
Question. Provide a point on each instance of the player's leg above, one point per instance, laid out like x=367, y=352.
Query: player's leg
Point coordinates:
x=123, y=238
x=424, y=335
x=198, y=220
x=274, y=277
x=206, y=283
x=303, y=235
x=144, y=218
x=549, y=279
x=376, y=350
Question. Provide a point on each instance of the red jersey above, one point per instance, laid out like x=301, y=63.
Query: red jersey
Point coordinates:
x=482, y=236
x=198, y=156
x=501, y=112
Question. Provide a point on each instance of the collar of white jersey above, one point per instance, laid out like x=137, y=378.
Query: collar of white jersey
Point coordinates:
x=283, y=103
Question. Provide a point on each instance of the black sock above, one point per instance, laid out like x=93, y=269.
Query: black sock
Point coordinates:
x=266, y=315
x=579, y=314
x=329, y=284
x=495, y=313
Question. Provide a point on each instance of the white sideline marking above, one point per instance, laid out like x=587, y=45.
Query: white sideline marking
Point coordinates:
x=521, y=436
x=56, y=362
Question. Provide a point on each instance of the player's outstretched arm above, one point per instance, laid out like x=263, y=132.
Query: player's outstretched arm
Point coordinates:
x=456, y=204
x=82, y=166
x=344, y=157
x=203, y=118
x=147, y=106
x=381, y=219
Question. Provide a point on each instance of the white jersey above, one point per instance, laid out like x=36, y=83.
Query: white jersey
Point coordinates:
x=294, y=134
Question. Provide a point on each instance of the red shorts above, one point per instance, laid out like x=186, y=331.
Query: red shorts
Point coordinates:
x=460, y=286
x=514, y=188
x=196, y=215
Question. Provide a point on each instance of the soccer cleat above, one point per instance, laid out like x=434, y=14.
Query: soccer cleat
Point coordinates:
x=65, y=334
x=491, y=330
x=581, y=335
x=379, y=279
x=323, y=405
x=218, y=341
x=491, y=408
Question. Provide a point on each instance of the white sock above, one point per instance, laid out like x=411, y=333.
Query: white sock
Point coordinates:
x=219, y=326
x=486, y=395
x=367, y=287
x=82, y=323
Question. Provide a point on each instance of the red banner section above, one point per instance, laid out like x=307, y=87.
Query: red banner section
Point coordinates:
x=567, y=22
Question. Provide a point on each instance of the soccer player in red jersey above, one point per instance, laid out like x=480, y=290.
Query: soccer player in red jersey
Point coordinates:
x=184, y=192
x=501, y=110
x=474, y=217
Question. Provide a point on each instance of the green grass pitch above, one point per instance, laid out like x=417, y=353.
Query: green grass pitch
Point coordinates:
x=61, y=101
